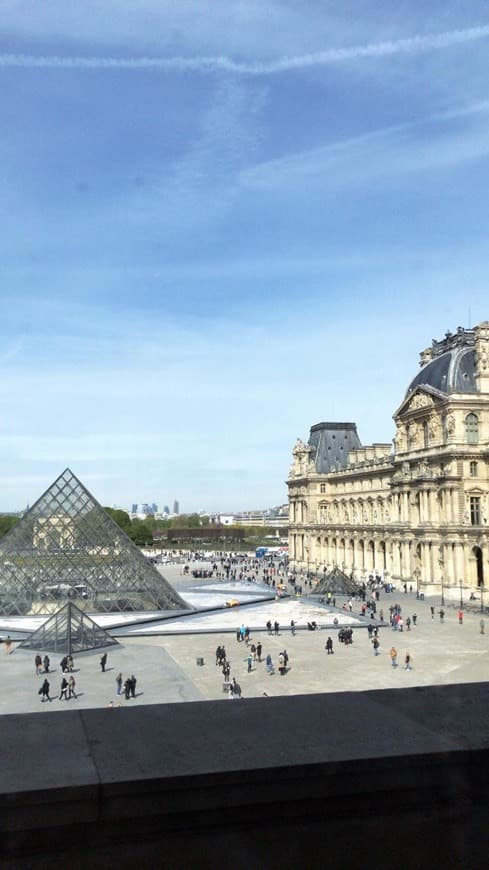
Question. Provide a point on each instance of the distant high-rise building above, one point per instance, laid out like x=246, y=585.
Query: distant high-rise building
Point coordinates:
x=144, y=510
x=176, y=507
x=166, y=509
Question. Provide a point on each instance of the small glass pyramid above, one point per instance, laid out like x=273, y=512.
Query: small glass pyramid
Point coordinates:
x=66, y=547
x=337, y=581
x=68, y=631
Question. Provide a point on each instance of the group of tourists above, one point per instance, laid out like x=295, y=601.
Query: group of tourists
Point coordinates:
x=407, y=659
x=67, y=689
x=41, y=665
x=129, y=686
x=68, y=683
x=232, y=688
x=396, y=619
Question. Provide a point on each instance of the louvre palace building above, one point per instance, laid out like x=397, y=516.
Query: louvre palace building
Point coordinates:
x=415, y=510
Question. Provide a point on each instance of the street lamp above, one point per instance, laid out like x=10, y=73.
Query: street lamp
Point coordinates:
x=441, y=564
x=417, y=574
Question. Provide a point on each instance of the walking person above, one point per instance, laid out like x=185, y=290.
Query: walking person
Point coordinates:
x=38, y=664
x=415, y=618
x=127, y=688
x=276, y=627
x=442, y=615
x=63, y=693
x=408, y=623
x=249, y=661
x=133, y=682
x=281, y=664
x=118, y=682
x=432, y=611
x=481, y=626
x=292, y=627
x=329, y=645
x=46, y=664
x=44, y=690
x=376, y=644
x=460, y=617
x=236, y=688
x=407, y=662
x=393, y=655
x=71, y=687
x=259, y=650
x=8, y=645
x=103, y=662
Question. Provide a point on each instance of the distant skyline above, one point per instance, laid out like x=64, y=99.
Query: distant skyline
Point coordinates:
x=221, y=223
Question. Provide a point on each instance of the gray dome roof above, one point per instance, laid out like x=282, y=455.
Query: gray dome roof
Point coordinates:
x=451, y=372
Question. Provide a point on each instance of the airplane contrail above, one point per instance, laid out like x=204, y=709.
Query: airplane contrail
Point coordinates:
x=411, y=45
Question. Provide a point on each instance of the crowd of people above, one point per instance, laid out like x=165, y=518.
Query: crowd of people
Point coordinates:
x=254, y=656
x=67, y=690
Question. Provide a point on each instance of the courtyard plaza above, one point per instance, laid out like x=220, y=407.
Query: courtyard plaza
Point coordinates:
x=174, y=660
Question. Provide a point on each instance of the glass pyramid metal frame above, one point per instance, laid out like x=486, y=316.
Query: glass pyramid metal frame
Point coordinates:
x=66, y=547
x=68, y=631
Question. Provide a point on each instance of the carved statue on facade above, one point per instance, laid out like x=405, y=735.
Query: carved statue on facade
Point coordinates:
x=400, y=439
x=423, y=467
x=412, y=435
x=451, y=424
x=434, y=427
x=420, y=400
x=302, y=459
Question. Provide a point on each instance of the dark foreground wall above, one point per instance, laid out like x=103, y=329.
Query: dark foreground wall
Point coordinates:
x=394, y=778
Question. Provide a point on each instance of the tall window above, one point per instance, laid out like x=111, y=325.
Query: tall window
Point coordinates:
x=473, y=469
x=426, y=435
x=472, y=428
x=475, y=510
x=322, y=487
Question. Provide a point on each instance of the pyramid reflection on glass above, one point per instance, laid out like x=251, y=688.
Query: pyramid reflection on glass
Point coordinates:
x=66, y=547
x=68, y=631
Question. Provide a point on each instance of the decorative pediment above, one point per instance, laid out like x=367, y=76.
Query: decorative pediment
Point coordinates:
x=422, y=399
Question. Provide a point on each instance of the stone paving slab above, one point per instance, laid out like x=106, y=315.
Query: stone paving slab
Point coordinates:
x=167, y=670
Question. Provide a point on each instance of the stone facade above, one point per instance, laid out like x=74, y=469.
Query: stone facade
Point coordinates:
x=415, y=511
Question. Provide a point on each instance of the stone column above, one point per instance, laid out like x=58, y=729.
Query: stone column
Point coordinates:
x=461, y=564
x=396, y=559
x=292, y=547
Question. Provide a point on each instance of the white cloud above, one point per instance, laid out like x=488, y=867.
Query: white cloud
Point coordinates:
x=389, y=153
x=332, y=56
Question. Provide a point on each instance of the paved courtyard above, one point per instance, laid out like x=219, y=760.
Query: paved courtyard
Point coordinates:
x=167, y=669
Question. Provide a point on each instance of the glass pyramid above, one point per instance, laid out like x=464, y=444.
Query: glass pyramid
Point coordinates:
x=339, y=582
x=66, y=547
x=68, y=631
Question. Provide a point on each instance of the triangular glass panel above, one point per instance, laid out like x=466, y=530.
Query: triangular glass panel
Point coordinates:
x=68, y=631
x=66, y=547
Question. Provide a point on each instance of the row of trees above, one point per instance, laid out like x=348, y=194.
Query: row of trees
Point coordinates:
x=7, y=523
x=142, y=531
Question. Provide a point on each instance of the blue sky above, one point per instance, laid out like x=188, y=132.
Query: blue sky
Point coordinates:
x=222, y=222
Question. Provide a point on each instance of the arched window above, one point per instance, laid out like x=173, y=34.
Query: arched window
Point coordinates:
x=472, y=429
